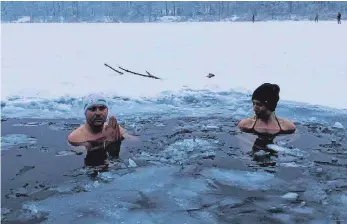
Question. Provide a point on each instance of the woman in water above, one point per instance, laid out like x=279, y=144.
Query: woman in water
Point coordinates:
x=265, y=124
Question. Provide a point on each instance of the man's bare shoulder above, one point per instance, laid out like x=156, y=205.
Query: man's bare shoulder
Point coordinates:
x=77, y=135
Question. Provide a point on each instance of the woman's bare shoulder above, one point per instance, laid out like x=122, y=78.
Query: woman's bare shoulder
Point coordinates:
x=246, y=123
x=286, y=124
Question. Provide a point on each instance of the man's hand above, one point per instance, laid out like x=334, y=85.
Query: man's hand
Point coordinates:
x=112, y=132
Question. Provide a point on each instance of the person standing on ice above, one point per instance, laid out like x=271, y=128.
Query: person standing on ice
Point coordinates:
x=339, y=18
x=316, y=18
x=253, y=18
x=97, y=137
x=265, y=124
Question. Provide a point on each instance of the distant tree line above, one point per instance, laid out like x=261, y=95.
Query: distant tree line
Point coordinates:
x=73, y=11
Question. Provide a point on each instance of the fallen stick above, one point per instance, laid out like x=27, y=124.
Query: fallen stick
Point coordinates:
x=135, y=73
x=149, y=74
x=121, y=73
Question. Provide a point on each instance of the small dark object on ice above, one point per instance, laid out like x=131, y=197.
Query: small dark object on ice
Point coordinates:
x=21, y=195
x=210, y=75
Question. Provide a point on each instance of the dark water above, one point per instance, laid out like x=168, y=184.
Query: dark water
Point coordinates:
x=183, y=170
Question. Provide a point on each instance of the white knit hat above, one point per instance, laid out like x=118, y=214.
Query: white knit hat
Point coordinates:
x=94, y=99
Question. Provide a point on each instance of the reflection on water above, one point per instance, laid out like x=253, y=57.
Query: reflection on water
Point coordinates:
x=262, y=155
x=98, y=161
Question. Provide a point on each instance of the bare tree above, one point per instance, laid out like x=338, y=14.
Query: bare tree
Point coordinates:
x=45, y=8
x=211, y=11
x=166, y=9
x=174, y=8
x=149, y=8
x=228, y=9
x=114, y=11
x=75, y=11
x=219, y=10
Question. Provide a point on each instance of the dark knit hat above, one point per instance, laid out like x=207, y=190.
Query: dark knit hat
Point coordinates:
x=268, y=94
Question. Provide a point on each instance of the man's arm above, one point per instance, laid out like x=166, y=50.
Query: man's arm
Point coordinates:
x=76, y=148
x=81, y=147
x=74, y=144
x=78, y=145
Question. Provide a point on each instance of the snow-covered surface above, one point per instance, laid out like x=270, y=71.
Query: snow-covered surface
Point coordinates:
x=47, y=68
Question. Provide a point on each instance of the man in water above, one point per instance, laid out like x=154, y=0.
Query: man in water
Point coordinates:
x=265, y=124
x=339, y=18
x=96, y=136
